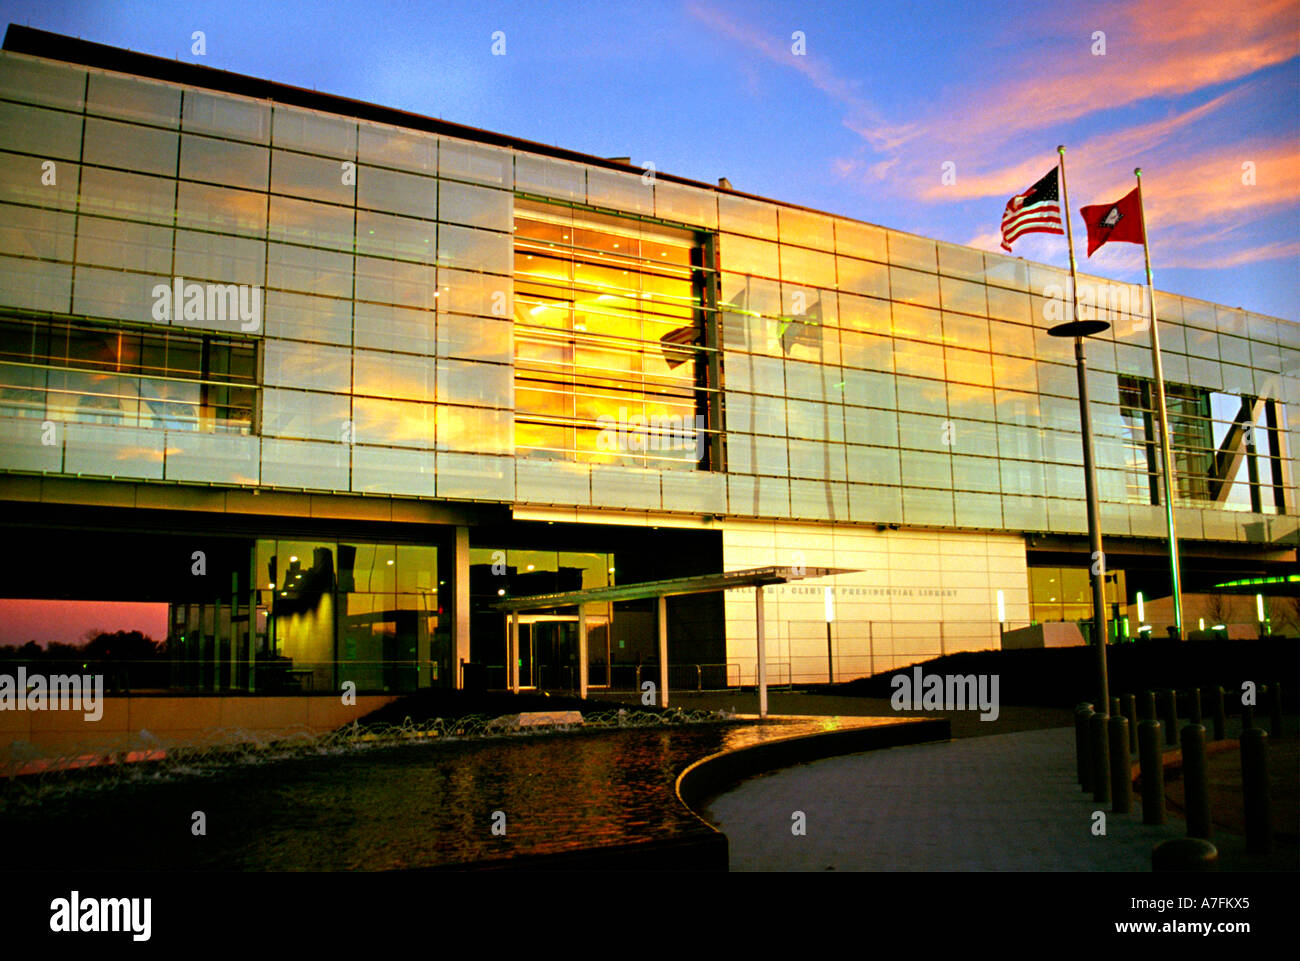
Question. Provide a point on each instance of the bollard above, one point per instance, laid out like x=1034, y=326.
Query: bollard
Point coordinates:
x=1100, y=757
x=1171, y=716
x=1114, y=707
x=1130, y=712
x=1184, y=854
x=1216, y=698
x=1153, y=773
x=1275, y=708
x=1247, y=717
x=1196, y=792
x=1254, y=791
x=1149, y=706
x=1083, y=757
x=1194, y=706
x=1121, y=766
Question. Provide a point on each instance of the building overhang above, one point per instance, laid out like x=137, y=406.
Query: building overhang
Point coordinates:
x=698, y=584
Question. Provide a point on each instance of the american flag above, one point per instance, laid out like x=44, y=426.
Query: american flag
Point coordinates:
x=1036, y=211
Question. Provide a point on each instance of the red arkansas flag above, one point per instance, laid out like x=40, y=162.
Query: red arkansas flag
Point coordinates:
x=1121, y=221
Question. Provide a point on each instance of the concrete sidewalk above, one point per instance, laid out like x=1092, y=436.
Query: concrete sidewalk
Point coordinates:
x=1006, y=802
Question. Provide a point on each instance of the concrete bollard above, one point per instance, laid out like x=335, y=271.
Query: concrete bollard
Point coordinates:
x=1196, y=792
x=1171, y=716
x=1194, y=706
x=1184, y=854
x=1121, y=765
x=1100, y=758
x=1149, y=706
x=1275, y=708
x=1254, y=791
x=1153, y=773
x=1130, y=712
x=1220, y=722
x=1082, y=743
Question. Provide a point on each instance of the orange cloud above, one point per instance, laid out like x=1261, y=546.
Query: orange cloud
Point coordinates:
x=1154, y=49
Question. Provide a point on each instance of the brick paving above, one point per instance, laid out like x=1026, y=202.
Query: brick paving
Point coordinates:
x=1007, y=802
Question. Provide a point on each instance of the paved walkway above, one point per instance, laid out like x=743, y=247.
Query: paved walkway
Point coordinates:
x=1007, y=802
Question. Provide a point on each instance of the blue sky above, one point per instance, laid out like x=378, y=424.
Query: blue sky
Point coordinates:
x=1204, y=96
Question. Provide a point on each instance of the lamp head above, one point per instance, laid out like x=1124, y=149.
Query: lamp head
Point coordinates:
x=1078, y=328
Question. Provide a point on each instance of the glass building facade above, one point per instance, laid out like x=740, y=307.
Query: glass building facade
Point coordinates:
x=216, y=283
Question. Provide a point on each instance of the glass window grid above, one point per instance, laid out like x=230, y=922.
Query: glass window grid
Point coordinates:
x=91, y=373
x=1204, y=320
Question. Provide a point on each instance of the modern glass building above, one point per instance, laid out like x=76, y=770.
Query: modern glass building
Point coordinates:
x=331, y=379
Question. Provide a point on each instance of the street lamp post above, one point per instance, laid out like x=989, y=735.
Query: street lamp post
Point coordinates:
x=1078, y=329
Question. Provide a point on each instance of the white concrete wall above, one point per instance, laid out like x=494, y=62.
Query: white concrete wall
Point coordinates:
x=917, y=594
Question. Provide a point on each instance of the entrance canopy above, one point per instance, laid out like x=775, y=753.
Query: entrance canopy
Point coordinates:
x=757, y=578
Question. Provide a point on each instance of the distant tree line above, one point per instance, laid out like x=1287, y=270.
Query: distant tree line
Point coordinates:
x=126, y=659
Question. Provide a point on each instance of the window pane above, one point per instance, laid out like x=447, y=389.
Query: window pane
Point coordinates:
x=395, y=328
x=49, y=133
x=401, y=238
x=464, y=247
x=913, y=287
x=397, y=282
x=464, y=382
x=394, y=147
x=224, y=162
x=313, y=132
x=742, y=216
x=314, y=178
x=475, y=338
x=402, y=423
x=399, y=376
x=222, y=209
x=223, y=115
x=290, y=364
x=461, y=160
x=37, y=81
x=313, y=224
x=301, y=317
x=475, y=430
x=296, y=413
x=309, y=271
x=129, y=98
x=397, y=192
x=807, y=266
x=863, y=277
x=474, y=206
x=205, y=256
x=147, y=149
x=550, y=178
x=744, y=255
x=133, y=196
x=115, y=243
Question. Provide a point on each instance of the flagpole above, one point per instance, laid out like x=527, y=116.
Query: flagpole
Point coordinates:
x=1175, y=578
x=1098, y=558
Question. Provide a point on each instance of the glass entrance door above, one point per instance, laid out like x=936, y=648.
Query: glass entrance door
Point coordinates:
x=548, y=651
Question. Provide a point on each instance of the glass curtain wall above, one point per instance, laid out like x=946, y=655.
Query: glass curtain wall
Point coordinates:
x=608, y=340
x=1229, y=450
x=332, y=612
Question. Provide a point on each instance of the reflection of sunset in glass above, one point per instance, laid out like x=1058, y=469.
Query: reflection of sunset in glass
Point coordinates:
x=595, y=298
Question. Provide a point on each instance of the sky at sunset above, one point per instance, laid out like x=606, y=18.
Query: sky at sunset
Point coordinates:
x=68, y=621
x=1204, y=96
